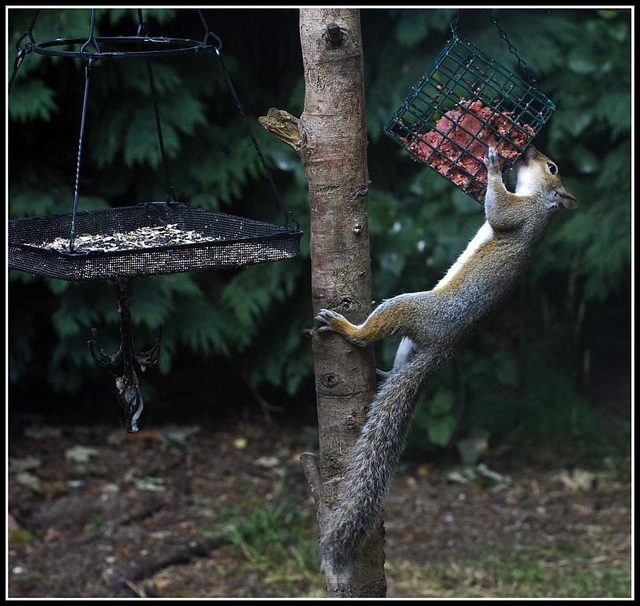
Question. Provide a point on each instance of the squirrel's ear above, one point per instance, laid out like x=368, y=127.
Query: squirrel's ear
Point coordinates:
x=565, y=198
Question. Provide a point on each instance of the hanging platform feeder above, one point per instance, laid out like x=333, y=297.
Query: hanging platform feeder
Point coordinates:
x=465, y=102
x=143, y=240
x=150, y=238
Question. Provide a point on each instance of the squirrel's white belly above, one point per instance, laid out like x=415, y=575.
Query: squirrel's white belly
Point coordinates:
x=484, y=235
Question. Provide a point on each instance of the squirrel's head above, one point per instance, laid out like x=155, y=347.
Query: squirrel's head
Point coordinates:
x=537, y=173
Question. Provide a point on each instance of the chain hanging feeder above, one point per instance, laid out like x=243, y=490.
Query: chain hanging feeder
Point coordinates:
x=150, y=238
x=465, y=102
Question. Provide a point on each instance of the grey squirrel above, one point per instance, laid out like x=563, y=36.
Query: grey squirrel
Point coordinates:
x=432, y=324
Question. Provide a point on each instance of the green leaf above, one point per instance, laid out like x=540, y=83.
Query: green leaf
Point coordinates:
x=106, y=135
x=32, y=202
x=412, y=27
x=614, y=108
x=202, y=327
x=619, y=31
x=585, y=161
x=392, y=262
x=141, y=140
x=607, y=14
x=440, y=429
x=580, y=64
x=506, y=368
x=442, y=402
x=58, y=287
x=574, y=122
x=161, y=15
x=72, y=315
x=32, y=100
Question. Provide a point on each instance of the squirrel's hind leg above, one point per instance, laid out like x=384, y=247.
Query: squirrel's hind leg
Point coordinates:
x=404, y=353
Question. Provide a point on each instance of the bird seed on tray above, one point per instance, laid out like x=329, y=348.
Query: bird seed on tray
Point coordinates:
x=140, y=238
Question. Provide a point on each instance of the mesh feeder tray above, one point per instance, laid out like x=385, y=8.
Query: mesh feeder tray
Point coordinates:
x=145, y=239
x=463, y=104
x=151, y=238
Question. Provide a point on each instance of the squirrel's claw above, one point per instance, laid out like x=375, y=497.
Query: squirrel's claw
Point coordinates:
x=327, y=317
x=491, y=159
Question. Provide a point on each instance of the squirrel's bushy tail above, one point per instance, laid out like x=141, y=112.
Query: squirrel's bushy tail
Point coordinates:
x=374, y=458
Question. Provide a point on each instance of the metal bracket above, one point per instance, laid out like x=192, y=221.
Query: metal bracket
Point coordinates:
x=122, y=363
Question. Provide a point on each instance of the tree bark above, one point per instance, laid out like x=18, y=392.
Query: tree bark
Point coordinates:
x=330, y=137
x=334, y=152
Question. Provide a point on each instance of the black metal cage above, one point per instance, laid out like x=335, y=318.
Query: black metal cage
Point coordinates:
x=465, y=102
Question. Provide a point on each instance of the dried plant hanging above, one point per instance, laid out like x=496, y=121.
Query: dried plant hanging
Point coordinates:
x=465, y=102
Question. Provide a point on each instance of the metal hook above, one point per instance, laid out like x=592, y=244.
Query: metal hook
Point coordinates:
x=122, y=363
x=22, y=51
x=208, y=33
x=90, y=39
x=142, y=25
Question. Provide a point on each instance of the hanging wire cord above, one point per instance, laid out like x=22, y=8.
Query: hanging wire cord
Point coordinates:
x=23, y=51
x=143, y=31
x=76, y=190
x=513, y=50
x=90, y=57
x=89, y=61
x=290, y=222
x=454, y=30
x=454, y=24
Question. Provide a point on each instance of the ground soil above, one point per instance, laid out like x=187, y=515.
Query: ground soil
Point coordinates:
x=148, y=515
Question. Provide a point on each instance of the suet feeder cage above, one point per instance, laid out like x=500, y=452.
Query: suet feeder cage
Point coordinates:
x=465, y=102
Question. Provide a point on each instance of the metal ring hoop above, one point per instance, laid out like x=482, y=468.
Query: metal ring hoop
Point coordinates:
x=152, y=47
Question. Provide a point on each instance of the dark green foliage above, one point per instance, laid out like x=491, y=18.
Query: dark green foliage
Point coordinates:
x=524, y=379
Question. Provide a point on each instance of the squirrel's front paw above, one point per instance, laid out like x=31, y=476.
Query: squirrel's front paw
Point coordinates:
x=332, y=320
x=491, y=160
x=329, y=319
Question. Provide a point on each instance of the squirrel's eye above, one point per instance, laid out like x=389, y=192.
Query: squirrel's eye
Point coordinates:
x=553, y=169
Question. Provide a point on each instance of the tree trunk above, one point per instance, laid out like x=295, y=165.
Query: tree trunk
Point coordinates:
x=335, y=158
x=331, y=139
